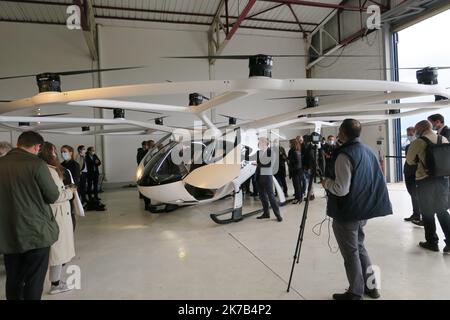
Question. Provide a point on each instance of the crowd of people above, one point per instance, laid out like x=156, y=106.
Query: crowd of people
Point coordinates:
x=356, y=190
x=37, y=220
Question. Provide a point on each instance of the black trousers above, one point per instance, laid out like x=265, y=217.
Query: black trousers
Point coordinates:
x=265, y=187
x=297, y=181
x=281, y=178
x=92, y=185
x=82, y=187
x=412, y=190
x=433, y=200
x=255, y=185
x=25, y=274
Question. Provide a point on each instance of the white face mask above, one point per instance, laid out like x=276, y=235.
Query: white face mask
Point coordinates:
x=411, y=138
x=65, y=156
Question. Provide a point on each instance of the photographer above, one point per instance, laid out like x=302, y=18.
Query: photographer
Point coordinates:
x=357, y=193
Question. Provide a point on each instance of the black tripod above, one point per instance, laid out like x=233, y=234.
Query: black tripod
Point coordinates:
x=298, y=247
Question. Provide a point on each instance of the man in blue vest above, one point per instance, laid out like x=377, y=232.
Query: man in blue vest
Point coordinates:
x=356, y=193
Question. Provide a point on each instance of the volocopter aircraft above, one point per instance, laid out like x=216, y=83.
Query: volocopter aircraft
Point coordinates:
x=213, y=167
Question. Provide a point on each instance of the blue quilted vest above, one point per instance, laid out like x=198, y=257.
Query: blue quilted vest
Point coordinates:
x=368, y=197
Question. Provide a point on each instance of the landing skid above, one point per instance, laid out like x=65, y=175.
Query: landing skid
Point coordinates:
x=236, y=215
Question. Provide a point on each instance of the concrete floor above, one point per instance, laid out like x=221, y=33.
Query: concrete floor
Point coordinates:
x=127, y=253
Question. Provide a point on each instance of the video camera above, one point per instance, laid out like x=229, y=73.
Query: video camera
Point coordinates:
x=315, y=138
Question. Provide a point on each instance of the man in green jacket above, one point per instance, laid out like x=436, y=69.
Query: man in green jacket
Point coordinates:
x=27, y=225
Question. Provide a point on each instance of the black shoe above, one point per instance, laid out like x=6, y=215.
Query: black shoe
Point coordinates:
x=429, y=246
x=411, y=218
x=279, y=218
x=263, y=216
x=373, y=293
x=346, y=296
x=311, y=197
x=447, y=249
x=418, y=222
x=295, y=201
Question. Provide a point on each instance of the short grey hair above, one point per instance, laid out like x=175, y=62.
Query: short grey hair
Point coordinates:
x=5, y=147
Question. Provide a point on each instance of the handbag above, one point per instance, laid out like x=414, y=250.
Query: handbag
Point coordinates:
x=76, y=201
x=77, y=205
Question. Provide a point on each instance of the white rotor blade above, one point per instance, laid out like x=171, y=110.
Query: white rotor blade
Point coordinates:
x=128, y=105
x=123, y=131
x=257, y=84
x=86, y=121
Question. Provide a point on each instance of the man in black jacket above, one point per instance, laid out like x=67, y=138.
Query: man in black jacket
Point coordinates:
x=438, y=122
x=357, y=193
x=92, y=164
x=141, y=152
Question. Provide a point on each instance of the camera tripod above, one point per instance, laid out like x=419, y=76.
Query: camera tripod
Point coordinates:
x=301, y=232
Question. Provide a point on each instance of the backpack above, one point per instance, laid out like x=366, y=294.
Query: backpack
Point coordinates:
x=437, y=158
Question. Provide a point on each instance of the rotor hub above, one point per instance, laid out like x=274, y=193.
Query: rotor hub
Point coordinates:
x=119, y=113
x=260, y=66
x=195, y=99
x=312, y=102
x=48, y=82
x=429, y=76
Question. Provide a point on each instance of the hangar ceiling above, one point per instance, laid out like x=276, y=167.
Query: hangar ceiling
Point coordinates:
x=280, y=15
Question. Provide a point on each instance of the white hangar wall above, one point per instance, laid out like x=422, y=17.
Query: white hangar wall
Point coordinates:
x=35, y=48
x=358, y=68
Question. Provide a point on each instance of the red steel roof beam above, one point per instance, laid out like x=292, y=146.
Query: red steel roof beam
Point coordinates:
x=241, y=18
x=318, y=4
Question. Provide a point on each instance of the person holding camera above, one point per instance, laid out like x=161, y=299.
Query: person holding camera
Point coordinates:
x=356, y=193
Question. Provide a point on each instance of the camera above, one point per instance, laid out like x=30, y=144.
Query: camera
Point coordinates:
x=316, y=138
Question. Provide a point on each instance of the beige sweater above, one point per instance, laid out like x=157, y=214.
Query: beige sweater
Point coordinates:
x=416, y=153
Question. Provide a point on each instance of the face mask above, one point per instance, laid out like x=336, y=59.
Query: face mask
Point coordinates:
x=411, y=138
x=82, y=152
x=65, y=156
x=418, y=135
x=332, y=142
x=435, y=128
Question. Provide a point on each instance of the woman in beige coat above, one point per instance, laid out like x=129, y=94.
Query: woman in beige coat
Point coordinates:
x=63, y=250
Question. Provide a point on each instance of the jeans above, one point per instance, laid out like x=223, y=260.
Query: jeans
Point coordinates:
x=433, y=200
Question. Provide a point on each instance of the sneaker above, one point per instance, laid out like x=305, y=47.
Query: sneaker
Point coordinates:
x=429, y=246
x=346, y=296
x=409, y=219
x=373, y=293
x=447, y=249
x=418, y=222
x=62, y=287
